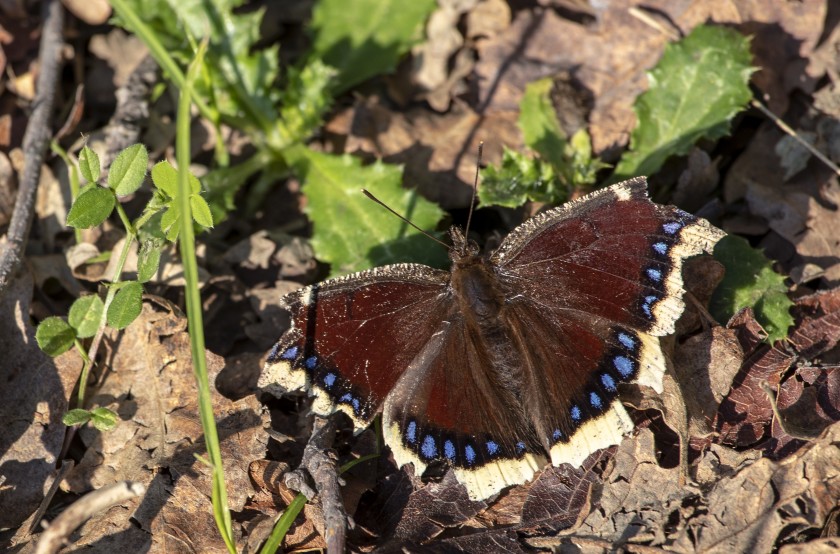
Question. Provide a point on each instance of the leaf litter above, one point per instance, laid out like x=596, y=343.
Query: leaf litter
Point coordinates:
x=753, y=483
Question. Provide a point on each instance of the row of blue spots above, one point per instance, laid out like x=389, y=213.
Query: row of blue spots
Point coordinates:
x=429, y=446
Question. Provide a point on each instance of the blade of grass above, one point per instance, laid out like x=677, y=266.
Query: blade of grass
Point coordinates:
x=193, y=300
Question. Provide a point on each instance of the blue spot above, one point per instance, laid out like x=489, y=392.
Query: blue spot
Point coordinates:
x=660, y=248
x=469, y=453
x=492, y=447
x=411, y=432
x=329, y=379
x=654, y=274
x=672, y=227
x=290, y=353
x=449, y=450
x=608, y=381
x=346, y=398
x=520, y=447
x=311, y=362
x=627, y=341
x=595, y=400
x=556, y=435
x=356, y=405
x=624, y=366
x=646, y=307
x=575, y=411
x=429, y=448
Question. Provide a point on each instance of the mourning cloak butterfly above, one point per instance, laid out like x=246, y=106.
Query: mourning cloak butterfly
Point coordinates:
x=510, y=359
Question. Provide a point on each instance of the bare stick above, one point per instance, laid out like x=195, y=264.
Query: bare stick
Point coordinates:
x=319, y=462
x=55, y=535
x=35, y=143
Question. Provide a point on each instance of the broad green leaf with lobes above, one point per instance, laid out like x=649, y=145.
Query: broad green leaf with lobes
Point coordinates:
x=351, y=232
x=518, y=179
x=364, y=38
x=538, y=122
x=693, y=93
x=751, y=281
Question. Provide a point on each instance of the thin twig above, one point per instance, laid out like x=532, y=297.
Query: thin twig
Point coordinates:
x=36, y=140
x=55, y=535
x=319, y=461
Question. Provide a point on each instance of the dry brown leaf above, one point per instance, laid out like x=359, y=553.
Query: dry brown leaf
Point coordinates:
x=34, y=396
x=151, y=386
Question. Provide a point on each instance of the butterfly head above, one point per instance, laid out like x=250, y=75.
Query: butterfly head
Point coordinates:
x=462, y=247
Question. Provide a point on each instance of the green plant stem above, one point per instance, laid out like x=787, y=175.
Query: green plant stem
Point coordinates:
x=194, y=316
x=284, y=523
x=73, y=178
x=160, y=54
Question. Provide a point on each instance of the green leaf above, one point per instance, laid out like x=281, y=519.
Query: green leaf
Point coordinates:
x=694, y=92
x=128, y=170
x=55, y=336
x=170, y=222
x=77, y=416
x=367, y=37
x=148, y=259
x=89, y=165
x=519, y=179
x=126, y=305
x=93, y=206
x=201, y=211
x=85, y=314
x=304, y=101
x=165, y=178
x=539, y=125
x=751, y=281
x=350, y=231
x=103, y=419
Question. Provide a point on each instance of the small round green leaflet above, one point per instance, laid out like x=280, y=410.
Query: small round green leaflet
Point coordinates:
x=201, y=211
x=103, y=419
x=93, y=205
x=85, y=314
x=55, y=336
x=89, y=165
x=77, y=416
x=128, y=170
x=126, y=305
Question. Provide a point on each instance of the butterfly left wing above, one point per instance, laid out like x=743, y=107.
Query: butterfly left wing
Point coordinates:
x=352, y=337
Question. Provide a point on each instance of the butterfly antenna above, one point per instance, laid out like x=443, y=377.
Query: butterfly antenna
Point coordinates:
x=475, y=189
x=387, y=207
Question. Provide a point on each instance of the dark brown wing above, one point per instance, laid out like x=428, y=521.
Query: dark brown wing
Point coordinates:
x=351, y=338
x=590, y=285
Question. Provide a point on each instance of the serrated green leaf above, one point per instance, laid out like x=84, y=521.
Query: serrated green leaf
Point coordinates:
x=201, y=211
x=304, y=100
x=77, y=416
x=89, y=165
x=366, y=38
x=126, y=305
x=128, y=170
x=519, y=179
x=350, y=231
x=85, y=314
x=55, y=336
x=103, y=419
x=93, y=206
x=751, y=281
x=695, y=90
x=539, y=125
x=148, y=259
